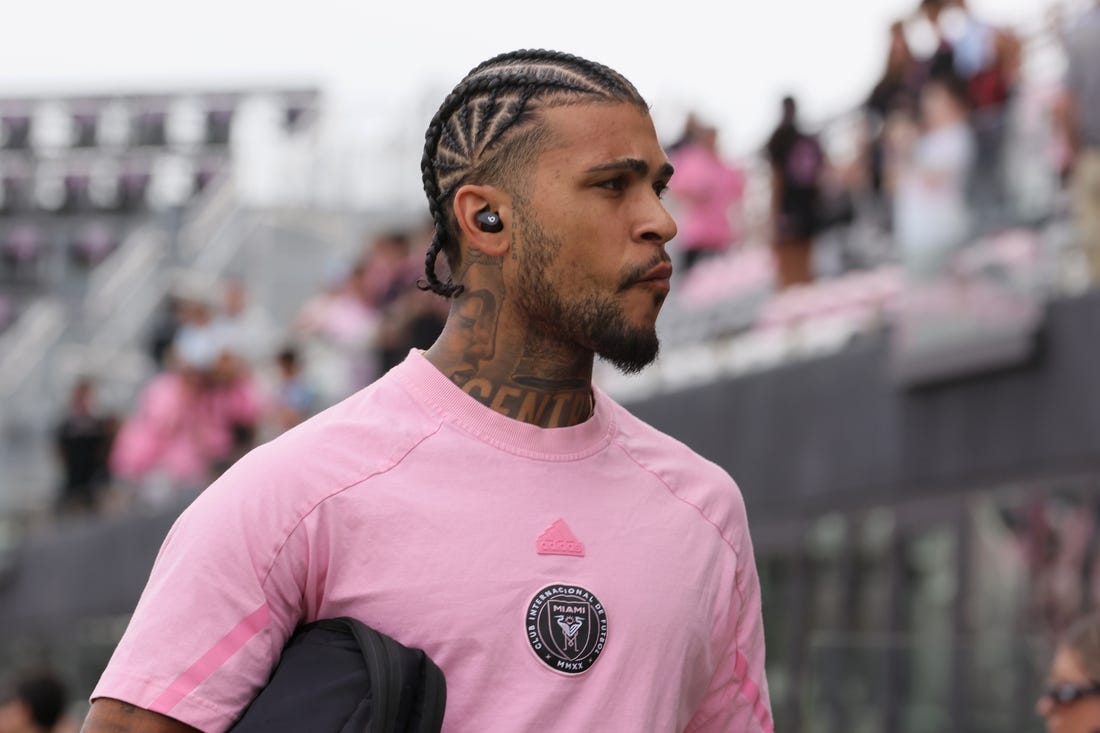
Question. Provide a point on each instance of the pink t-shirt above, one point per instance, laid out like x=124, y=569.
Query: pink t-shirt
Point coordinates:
x=597, y=577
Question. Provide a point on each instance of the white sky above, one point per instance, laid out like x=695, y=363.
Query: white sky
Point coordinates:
x=731, y=60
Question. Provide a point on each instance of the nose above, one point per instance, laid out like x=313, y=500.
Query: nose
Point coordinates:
x=1043, y=707
x=657, y=225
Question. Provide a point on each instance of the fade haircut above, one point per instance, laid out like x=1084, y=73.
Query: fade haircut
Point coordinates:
x=487, y=130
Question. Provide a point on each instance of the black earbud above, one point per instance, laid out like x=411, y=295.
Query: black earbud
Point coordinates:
x=489, y=221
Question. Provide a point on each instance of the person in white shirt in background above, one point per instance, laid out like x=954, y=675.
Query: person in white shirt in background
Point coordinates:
x=932, y=166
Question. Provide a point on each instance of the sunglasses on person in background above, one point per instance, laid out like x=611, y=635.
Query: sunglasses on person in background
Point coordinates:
x=1067, y=693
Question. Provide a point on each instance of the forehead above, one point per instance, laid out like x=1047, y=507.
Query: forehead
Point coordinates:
x=585, y=135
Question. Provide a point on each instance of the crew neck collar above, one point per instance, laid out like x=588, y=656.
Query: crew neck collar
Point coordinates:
x=447, y=399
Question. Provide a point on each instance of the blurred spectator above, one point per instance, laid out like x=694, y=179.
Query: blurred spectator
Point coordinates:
x=165, y=327
x=189, y=422
x=294, y=399
x=196, y=332
x=932, y=166
x=414, y=321
x=797, y=164
x=1082, y=122
x=220, y=347
x=388, y=269
x=987, y=59
x=709, y=191
x=1071, y=703
x=938, y=60
x=83, y=442
x=901, y=78
x=897, y=90
x=35, y=704
x=338, y=328
x=235, y=403
x=243, y=328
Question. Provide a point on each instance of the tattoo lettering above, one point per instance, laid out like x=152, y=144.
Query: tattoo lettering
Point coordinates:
x=537, y=407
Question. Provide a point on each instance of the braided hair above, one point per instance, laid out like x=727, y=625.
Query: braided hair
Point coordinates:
x=482, y=132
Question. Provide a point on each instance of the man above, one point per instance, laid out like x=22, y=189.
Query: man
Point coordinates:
x=83, y=442
x=1082, y=122
x=464, y=520
x=797, y=163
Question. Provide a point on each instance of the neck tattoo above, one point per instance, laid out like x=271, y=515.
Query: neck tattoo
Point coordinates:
x=547, y=409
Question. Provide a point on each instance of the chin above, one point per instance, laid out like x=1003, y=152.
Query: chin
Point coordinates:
x=632, y=351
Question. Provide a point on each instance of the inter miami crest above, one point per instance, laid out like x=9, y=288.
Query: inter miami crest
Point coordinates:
x=566, y=628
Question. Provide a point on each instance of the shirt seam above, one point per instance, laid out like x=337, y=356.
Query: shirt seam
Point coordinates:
x=708, y=520
x=681, y=499
x=363, y=479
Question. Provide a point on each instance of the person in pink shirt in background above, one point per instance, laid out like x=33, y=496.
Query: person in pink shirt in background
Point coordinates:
x=173, y=435
x=567, y=566
x=708, y=192
x=183, y=431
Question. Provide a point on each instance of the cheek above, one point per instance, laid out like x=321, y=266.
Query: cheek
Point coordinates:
x=588, y=272
x=579, y=263
x=1086, y=718
x=591, y=250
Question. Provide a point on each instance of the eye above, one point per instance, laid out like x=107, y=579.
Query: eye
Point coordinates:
x=618, y=183
x=660, y=188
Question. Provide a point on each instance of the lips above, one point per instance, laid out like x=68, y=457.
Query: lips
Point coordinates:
x=662, y=271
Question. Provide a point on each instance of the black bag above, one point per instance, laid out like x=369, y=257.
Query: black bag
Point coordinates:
x=340, y=676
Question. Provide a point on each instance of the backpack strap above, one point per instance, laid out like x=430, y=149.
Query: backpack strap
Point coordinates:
x=340, y=676
x=408, y=689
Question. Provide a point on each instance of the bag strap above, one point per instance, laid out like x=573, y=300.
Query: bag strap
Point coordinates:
x=387, y=661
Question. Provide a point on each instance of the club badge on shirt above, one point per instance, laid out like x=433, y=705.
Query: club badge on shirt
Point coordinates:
x=566, y=626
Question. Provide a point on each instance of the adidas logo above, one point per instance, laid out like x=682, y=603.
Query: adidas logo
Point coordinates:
x=558, y=539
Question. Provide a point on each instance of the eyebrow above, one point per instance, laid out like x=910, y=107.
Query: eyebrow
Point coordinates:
x=634, y=165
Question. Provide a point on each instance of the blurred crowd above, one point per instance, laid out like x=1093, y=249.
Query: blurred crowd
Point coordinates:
x=230, y=378
x=930, y=169
x=929, y=172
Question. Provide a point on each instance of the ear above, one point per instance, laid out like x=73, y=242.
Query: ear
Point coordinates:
x=468, y=202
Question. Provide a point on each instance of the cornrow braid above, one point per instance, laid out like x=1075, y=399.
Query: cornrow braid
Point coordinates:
x=481, y=117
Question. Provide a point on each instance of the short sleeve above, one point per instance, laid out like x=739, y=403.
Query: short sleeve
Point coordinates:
x=737, y=697
x=224, y=594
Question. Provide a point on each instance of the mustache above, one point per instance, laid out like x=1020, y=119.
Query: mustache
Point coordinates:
x=635, y=274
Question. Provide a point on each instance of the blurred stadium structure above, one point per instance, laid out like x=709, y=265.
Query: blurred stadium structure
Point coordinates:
x=923, y=480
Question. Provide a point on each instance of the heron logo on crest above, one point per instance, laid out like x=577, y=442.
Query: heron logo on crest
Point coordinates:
x=566, y=627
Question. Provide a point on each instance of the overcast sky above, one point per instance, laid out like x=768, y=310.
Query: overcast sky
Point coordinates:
x=731, y=60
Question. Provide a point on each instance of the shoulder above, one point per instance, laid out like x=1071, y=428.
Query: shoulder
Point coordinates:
x=688, y=477
x=341, y=449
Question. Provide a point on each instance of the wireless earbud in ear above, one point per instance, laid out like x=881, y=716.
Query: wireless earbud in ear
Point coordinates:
x=489, y=221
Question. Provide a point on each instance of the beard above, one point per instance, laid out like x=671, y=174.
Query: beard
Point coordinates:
x=594, y=321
